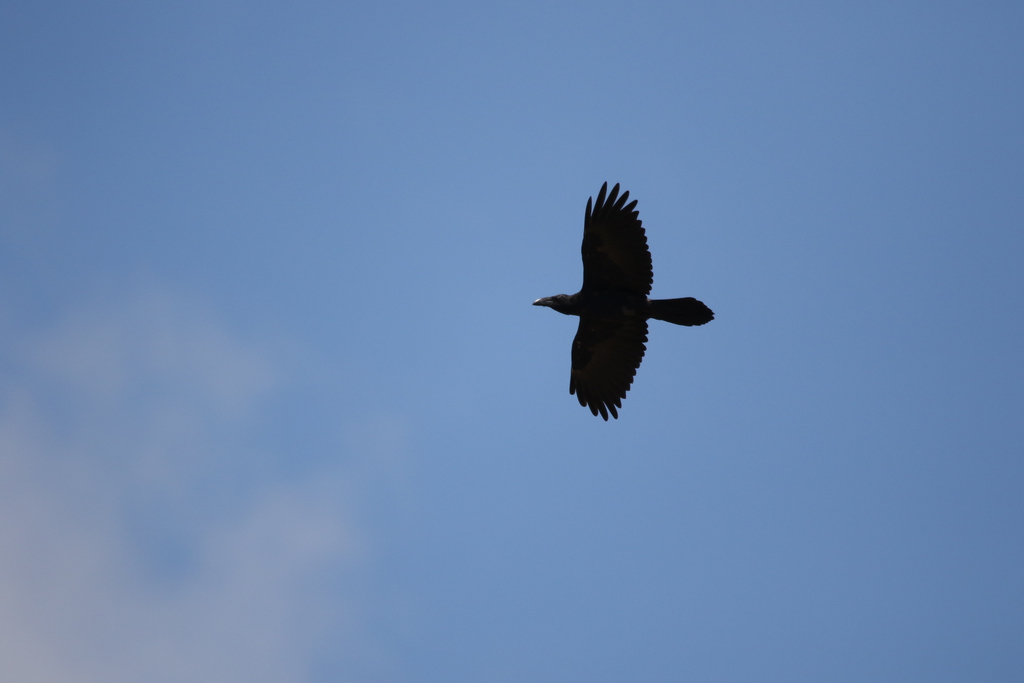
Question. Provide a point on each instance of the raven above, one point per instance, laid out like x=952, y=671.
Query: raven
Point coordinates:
x=613, y=306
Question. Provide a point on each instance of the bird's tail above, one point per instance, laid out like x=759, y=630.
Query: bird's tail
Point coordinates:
x=687, y=311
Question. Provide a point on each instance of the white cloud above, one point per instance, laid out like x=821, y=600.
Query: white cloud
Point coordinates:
x=117, y=414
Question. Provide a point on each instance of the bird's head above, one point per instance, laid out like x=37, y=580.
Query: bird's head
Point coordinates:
x=563, y=303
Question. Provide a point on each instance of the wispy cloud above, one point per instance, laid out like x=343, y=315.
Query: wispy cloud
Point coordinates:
x=116, y=561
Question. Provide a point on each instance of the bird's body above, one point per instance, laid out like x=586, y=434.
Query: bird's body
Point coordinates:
x=613, y=305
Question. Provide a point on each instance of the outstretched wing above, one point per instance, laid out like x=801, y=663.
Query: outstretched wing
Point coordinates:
x=605, y=356
x=615, y=254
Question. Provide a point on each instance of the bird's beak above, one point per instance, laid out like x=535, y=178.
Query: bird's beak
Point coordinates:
x=540, y=302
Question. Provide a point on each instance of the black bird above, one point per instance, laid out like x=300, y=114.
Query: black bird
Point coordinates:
x=613, y=306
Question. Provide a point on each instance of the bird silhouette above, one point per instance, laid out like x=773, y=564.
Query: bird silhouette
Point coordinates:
x=613, y=305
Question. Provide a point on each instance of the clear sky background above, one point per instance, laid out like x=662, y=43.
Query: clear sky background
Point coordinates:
x=274, y=405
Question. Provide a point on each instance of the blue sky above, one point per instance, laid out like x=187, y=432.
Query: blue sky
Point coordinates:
x=274, y=404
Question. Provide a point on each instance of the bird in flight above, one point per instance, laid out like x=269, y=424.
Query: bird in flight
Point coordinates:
x=613, y=306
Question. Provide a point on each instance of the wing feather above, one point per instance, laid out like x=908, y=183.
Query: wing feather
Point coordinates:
x=605, y=357
x=615, y=253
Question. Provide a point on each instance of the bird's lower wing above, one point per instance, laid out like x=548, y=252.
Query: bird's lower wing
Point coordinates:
x=605, y=356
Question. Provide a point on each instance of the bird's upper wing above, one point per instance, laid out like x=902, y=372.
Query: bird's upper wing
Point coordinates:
x=615, y=254
x=605, y=356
